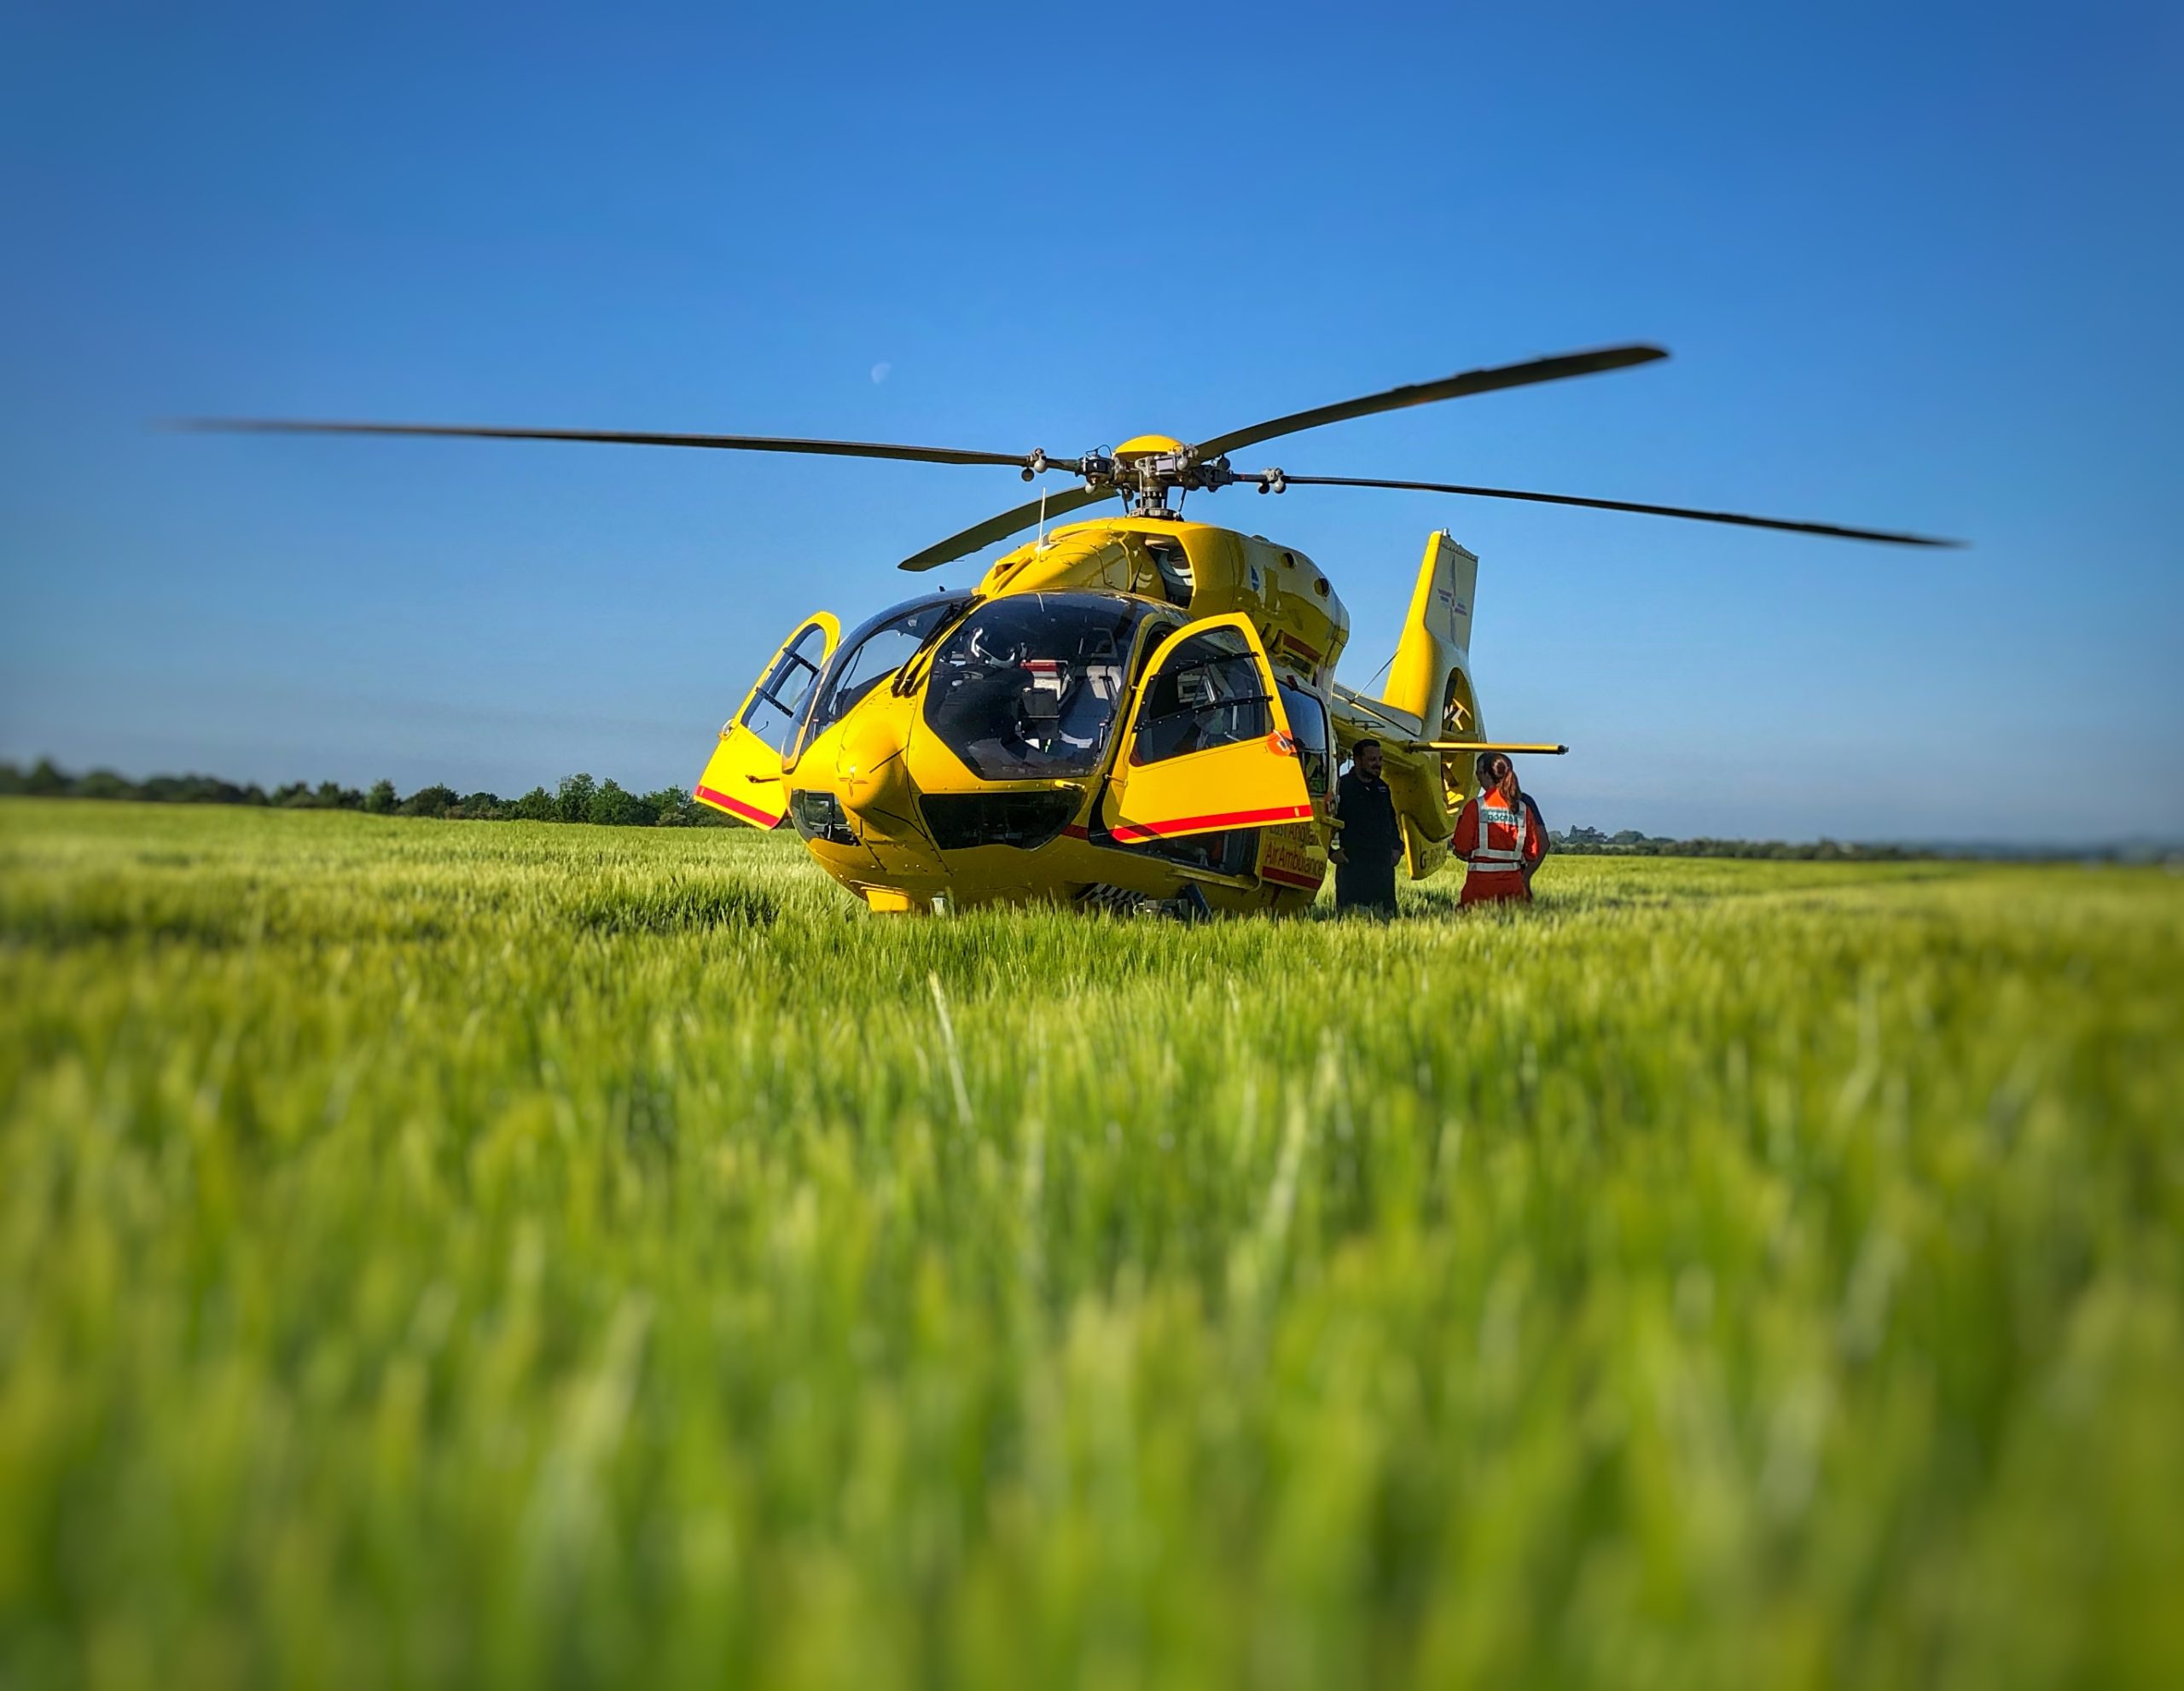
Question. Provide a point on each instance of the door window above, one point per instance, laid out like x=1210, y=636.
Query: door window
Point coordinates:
x=771, y=713
x=1207, y=693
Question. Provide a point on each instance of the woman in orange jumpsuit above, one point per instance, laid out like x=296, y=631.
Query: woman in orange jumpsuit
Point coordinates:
x=1499, y=835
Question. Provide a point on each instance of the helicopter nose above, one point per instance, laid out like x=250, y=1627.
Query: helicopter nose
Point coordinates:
x=870, y=764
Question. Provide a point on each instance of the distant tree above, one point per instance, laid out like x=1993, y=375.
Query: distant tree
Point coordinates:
x=45, y=781
x=436, y=800
x=573, y=802
x=612, y=807
x=536, y=805
x=295, y=796
x=481, y=807
x=104, y=784
x=11, y=779
x=199, y=790
x=381, y=801
x=332, y=795
x=670, y=807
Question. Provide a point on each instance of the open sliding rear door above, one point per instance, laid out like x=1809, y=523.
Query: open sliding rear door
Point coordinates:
x=743, y=776
x=1209, y=745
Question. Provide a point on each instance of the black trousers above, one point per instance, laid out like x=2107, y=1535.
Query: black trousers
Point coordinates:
x=1365, y=887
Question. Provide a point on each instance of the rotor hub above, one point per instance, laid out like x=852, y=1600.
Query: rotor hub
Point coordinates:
x=1146, y=469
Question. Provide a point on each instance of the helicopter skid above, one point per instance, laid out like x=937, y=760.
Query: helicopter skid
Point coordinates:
x=1067, y=870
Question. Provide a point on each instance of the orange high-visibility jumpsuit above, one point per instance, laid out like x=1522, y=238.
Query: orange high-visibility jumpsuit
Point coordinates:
x=1500, y=844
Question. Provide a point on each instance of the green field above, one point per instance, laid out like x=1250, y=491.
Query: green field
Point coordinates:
x=446, y=1254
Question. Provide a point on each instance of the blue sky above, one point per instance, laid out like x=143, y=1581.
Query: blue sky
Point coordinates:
x=1920, y=267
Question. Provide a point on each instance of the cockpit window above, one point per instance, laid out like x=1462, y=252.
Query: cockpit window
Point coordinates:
x=1174, y=565
x=869, y=655
x=1028, y=686
x=1308, y=726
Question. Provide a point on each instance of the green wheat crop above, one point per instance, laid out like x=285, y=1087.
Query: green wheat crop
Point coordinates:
x=446, y=1255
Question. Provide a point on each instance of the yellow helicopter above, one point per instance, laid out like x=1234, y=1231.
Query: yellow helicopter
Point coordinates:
x=1133, y=712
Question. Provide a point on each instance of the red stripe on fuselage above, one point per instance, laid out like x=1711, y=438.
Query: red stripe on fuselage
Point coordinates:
x=735, y=807
x=1131, y=832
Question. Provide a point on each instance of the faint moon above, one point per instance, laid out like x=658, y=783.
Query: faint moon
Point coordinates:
x=880, y=373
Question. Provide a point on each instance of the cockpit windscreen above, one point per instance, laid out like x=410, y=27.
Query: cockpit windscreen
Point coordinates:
x=1030, y=685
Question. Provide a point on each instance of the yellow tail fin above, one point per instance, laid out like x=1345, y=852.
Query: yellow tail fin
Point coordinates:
x=1431, y=676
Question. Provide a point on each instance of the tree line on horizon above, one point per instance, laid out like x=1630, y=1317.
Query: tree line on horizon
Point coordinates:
x=1591, y=842
x=581, y=799
x=575, y=798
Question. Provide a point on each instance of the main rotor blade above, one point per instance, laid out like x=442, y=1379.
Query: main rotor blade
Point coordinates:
x=725, y=443
x=1428, y=392
x=1001, y=527
x=1832, y=530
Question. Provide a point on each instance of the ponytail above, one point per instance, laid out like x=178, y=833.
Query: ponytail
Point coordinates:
x=1495, y=770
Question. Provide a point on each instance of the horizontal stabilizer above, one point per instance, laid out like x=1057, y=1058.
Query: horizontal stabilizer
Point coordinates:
x=1540, y=750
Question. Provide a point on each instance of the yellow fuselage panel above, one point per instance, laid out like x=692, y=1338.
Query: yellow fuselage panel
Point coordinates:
x=1299, y=615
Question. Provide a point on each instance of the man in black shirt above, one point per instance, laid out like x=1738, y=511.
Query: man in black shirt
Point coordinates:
x=1370, y=845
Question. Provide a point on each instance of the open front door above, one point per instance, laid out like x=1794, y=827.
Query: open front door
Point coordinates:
x=1209, y=745
x=743, y=776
